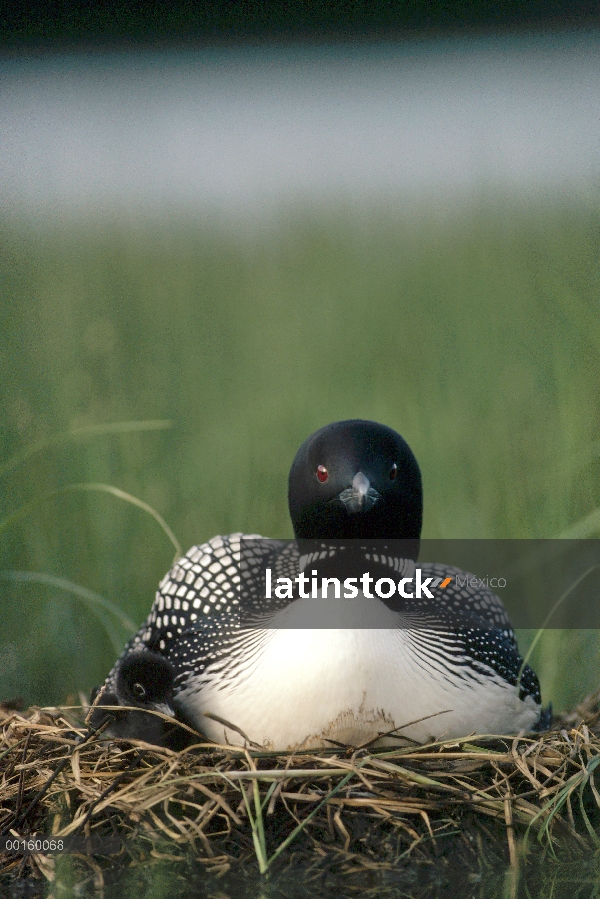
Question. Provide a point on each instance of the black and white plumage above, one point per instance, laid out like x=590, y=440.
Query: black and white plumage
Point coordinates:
x=285, y=673
x=142, y=685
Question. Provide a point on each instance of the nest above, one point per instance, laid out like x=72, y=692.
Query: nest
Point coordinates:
x=117, y=802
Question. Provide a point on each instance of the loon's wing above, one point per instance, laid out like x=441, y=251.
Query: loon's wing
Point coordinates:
x=466, y=596
x=478, y=629
x=201, y=602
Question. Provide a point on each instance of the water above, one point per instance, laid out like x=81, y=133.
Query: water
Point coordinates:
x=253, y=129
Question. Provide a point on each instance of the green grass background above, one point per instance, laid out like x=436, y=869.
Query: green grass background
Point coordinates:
x=474, y=331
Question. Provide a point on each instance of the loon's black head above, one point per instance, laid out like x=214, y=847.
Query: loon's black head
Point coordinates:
x=145, y=682
x=355, y=479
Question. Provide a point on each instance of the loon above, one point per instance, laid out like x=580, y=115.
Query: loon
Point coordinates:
x=143, y=686
x=374, y=670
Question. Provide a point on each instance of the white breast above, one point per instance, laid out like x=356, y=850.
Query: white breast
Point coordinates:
x=307, y=679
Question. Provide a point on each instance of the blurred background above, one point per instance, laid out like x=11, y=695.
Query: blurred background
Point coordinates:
x=237, y=243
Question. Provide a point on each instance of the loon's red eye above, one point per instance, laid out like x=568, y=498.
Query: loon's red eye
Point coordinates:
x=393, y=472
x=322, y=473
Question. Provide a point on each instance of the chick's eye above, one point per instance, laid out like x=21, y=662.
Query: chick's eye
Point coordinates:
x=139, y=691
x=322, y=473
x=393, y=472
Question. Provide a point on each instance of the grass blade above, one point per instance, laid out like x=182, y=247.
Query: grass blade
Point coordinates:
x=103, y=488
x=583, y=528
x=114, y=427
x=260, y=826
x=121, y=494
x=61, y=583
x=97, y=604
x=541, y=630
x=258, y=833
x=300, y=827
